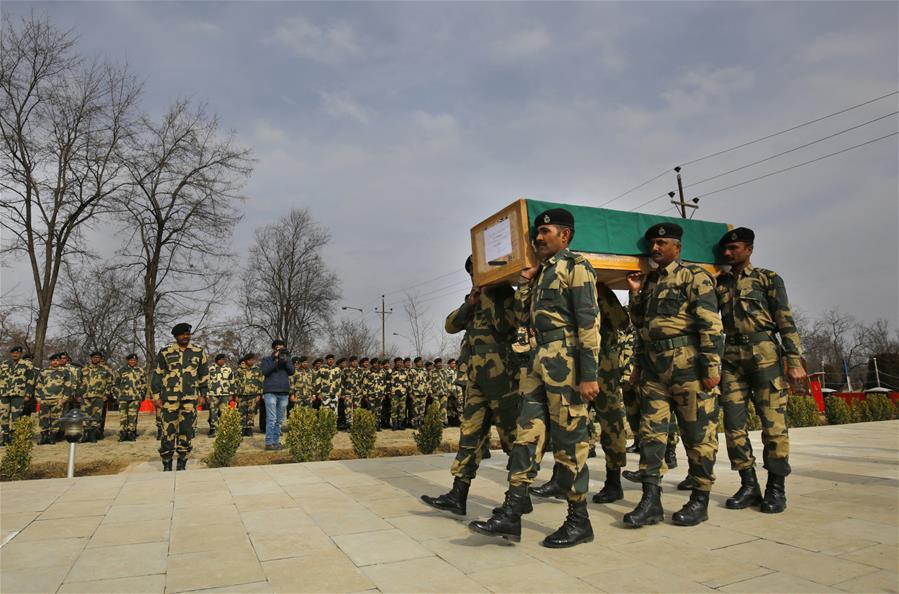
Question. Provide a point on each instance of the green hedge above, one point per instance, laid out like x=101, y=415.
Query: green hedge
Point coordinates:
x=17, y=459
x=363, y=432
x=430, y=434
x=228, y=437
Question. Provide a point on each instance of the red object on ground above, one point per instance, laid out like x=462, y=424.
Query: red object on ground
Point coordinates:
x=814, y=382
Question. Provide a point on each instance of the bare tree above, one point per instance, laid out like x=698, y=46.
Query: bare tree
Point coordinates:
x=232, y=338
x=352, y=338
x=184, y=179
x=419, y=326
x=289, y=292
x=62, y=126
x=99, y=309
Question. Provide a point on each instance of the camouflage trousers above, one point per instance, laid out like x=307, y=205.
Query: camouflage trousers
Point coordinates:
x=217, y=405
x=608, y=408
x=178, y=418
x=246, y=405
x=551, y=399
x=454, y=403
x=441, y=402
x=670, y=382
x=128, y=410
x=754, y=372
x=419, y=406
x=10, y=411
x=631, y=397
x=50, y=413
x=93, y=407
x=329, y=402
x=398, y=407
x=492, y=399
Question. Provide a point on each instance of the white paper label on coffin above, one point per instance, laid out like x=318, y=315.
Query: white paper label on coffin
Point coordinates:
x=498, y=242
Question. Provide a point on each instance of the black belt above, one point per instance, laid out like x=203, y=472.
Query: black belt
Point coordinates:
x=751, y=338
x=667, y=344
x=553, y=335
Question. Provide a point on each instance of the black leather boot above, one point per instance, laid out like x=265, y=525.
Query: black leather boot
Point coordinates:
x=549, y=489
x=634, y=476
x=211, y=433
x=649, y=511
x=575, y=530
x=123, y=436
x=182, y=464
x=44, y=439
x=687, y=484
x=634, y=448
x=454, y=501
x=748, y=494
x=775, y=500
x=524, y=506
x=671, y=455
x=611, y=490
x=507, y=523
x=693, y=512
x=92, y=435
x=166, y=465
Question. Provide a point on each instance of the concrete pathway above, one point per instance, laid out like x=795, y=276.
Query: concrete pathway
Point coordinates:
x=358, y=525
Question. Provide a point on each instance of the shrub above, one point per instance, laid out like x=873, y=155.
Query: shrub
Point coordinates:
x=837, y=411
x=17, y=458
x=875, y=407
x=802, y=411
x=363, y=432
x=325, y=430
x=228, y=437
x=430, y=434
x=300, y=433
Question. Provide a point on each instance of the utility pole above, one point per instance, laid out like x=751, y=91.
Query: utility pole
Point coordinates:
x=681, y=203
x=384, y=313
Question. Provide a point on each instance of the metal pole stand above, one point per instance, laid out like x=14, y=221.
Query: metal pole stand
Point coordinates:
x=71, y=471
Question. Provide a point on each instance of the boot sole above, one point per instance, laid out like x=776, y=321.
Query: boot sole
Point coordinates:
x=509, y=537
x=773, y=511
x=650, y=522
x=730, y=505
x=552, y=545
x=437, y=507
x=682, y=523
x=604, y=501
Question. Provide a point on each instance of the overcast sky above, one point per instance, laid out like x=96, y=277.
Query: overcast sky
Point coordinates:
x=401, y=125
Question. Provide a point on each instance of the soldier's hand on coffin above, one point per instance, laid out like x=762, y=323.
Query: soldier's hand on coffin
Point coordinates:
x=710, y=383
x=589, y=391
x=474, y=295
x=634, y=281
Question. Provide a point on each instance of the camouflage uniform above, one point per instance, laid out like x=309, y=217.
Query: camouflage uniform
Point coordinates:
x=179, y=379
x=678, y=343
x=441, y=384
x=247, y=387
x=456, y=393
x=55, y=387
x=301, y=383
x=16, y=384
x=131, y=389
x=398, y=386
x=560, y=306
x=419, y=389
x=97, y=382
x=329, y=386
x=369, y=387
x=352, y=391
x=754, y=306
x=218, y=395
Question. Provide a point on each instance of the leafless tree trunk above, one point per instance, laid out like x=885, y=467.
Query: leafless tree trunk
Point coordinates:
x=419, y=326
x=62, y=127
x=289, y=292
x=184, y=179
x=352, y=338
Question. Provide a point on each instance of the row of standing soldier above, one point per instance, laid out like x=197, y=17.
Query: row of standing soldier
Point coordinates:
x=549, y=355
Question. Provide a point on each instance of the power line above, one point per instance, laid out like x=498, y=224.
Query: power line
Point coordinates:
x=637, y=187
x=779, y=171
x=796, y=127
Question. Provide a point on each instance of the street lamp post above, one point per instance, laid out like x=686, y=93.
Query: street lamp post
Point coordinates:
x=73, y=429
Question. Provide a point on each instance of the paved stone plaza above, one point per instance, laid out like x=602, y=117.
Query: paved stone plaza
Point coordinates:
x=358, y=526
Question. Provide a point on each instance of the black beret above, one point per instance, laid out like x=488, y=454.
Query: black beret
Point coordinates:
x=64, y=354
x=97, y=354
x=219, y=356
x=341, y=360
x=131, y=356
x=468, y=265
x=417, y=360
x=278, y=342
x=247, y=357
x=16, y=349
x=665, y=231
x=407, y=359
x=374, y=360
x=55, y=356
x=554, y=216
x=397, y=359
x=438, y=360
x=329, y=356
x=363, y=359
x=303, y=359
x=450, y=361
x=428, y=364
x=317, y=361
x=181, y=328
x=739, y=234
x=353, y=358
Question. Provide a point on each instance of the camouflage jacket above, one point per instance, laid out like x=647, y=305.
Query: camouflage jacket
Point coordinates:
x=419, y=382
x=563, y=297
x=398, y=380
x=488, y=324
x=56, y=383
x=131, y=383
x=180, y=375
x=301, y=384
x=352, y=382
x=221, y=380
x=679, y=300
x=613, y=321
x=17, y=379
x=97, y=381
x=379, y=381
x=329, y=383
x=370, y=381
x=442, y=381
x=247, y=381
x=626, y=353
x=757, y=302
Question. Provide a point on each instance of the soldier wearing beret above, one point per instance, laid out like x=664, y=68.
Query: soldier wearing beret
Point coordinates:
x=55, y=387
x=17, y=378
x=131, y=388
x=557, y=300
x=329, y=384
x=178, y=383
x=754, y=308
x=418, y=391
x=678, y=358
x=97, y=382
x=218, y=394
x=247, y=388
